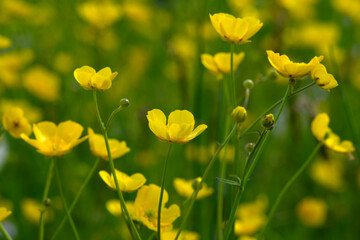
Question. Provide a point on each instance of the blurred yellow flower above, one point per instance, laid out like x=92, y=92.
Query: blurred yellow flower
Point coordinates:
x=350, y=8
x=126, y=183
x=320, y=129
x=88, y=78
x=321, y=169
x=98, y=147
x=219, y=64
x=250, y=217
x=31, y=210
x=32, y=113
x=114, y=207
x=312, y=211
x=4, y=213
x=302, y=10
x=51, y=140
x=15, y=123
x=4, y=42
x=137, y=12
x=284, y=66
x=64, y=62
x=146, y=208
x=322, y=78
x=100, y=14
x=180, y=126
x=186, y=188
x=184, y=235
x=237, y=30
x=42, y=83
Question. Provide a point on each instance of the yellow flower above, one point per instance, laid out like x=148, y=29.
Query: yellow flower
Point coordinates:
x=220, y=63
x=32, y=113
x=320, y=171
x=237, y=30
x=42, y=83
x=114, y=207
x=126, y=183
x=320, y=129
x=312, y=211
x=322, y=78
x=146, y=208
x=287, y=68
x=239, y=114
x=184, y=235
x=31, y=210
x=4, y=213
x=88, y=78
x=15, y=123
x=100, y=14
x=52, y=140
x=98, y=147
x=4, y=42
x=180, y=126
x=186, y=188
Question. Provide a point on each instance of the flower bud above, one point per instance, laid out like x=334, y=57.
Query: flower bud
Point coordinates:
x=271, y=74
x=196, y=182
x=239, y=114
x=124, y=102
x=47, y=202
x=249, y=147
x=268, y=121
x=248, y=83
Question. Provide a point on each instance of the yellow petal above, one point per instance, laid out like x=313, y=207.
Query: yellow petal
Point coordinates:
x=320, y=126
x=180, y=117
x=254, y=26
x=105, y=176
x=45, y=131
x=197, y=131
x=179, y=132
x=208, y=61
x=137, y=180
x=69, y=131
x=83, y=76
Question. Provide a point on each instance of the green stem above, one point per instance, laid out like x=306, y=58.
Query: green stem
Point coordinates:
x=45, y=195
x=232, y=75
x=275, y=105
x=204, y=176
x=111, y=117
x=57, y=174
x=4, y=233
x=287, y=186
x=132, y=229
x=87, y=179
x=162, y=192
x=152, y=236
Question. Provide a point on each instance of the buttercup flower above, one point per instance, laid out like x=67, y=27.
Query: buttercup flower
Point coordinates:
x=146, y=208
x=179, y=128
x=237, y=30
x=88, y=78
x=4, y=213
x=320, y=129
x=98, y=147
x=220, y=63
x=312, y=211
x=15, y=123
x=126, y=183
x=287, y=68
x=186, y=188
x=322, y=78
x=51, y=140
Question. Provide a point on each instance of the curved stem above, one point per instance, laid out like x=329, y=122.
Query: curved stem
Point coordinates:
x=87, y=179
x=287, y=186
x=204, y=176
x=162, y=192
x=128, y=219
x=45, y=195
x=4, y=233
x=111, y=117
x=57, y=174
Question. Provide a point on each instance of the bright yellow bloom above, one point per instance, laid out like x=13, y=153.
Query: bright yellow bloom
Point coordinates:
x=322, y=78
x=146, y=208
x=52, y=140
x=126, y=183
x=287, y=68
x=15, y=123
x=320, y=129
x=88, y=78
x=237, y=30
x=184, y=235
x=220, y=63
x=186, y=188
x=4, y=42
x=31, y=210
x=100, y=14
x=312, y=211
x=179, y=128
x=98, y=147
x=4, y=213
x=42, y=83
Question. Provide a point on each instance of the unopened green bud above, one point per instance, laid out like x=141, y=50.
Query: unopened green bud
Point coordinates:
x=47, y=202
x=239, y=114
x=248, y=83
x=196, y=182
x=268, y=121
x=249, y=147
x=271, y=74
x=124, y=103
